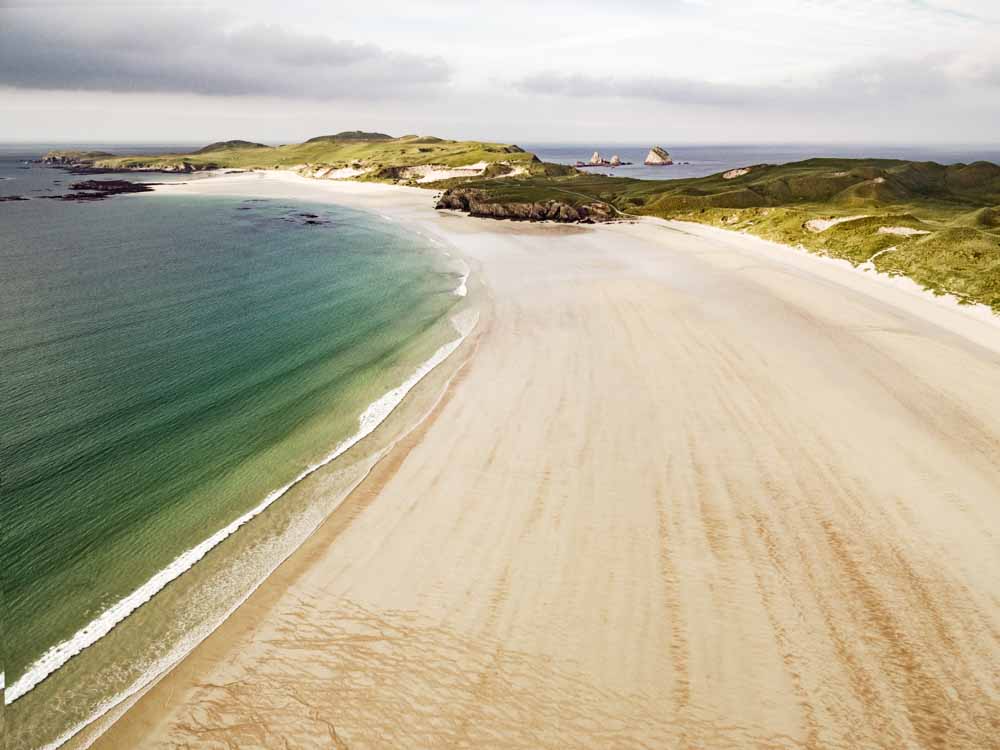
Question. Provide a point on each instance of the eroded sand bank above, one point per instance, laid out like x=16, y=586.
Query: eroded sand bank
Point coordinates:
x=685, y=494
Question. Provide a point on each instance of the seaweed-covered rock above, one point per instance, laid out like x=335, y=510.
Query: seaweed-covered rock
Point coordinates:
x=480, y=203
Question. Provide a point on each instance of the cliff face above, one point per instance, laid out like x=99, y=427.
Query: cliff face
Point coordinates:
x=477, y=203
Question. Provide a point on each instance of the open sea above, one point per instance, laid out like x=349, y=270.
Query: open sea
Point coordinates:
x=699, y=160
x=172, y=370
x=170, y=366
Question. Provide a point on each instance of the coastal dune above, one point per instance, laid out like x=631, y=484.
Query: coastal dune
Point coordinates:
x=683, y=493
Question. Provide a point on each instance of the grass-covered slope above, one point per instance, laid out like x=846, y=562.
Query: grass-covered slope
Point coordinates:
x=938, y=224
x=372, y=155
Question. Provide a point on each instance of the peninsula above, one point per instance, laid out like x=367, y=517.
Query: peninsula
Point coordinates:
x=596, y=160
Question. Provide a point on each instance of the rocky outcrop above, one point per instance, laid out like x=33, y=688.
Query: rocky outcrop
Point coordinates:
x=481, y=204
x=97, y=190
x=657, y=157
x=616, y=161
x=732, y=174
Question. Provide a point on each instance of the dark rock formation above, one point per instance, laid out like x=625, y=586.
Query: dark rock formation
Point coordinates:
x=13, y=198
x=479, y=203
x=96, y=190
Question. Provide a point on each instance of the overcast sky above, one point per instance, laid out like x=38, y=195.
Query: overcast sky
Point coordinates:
x=674, y=71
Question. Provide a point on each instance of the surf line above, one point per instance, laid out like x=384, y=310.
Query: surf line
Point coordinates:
x=370, y=418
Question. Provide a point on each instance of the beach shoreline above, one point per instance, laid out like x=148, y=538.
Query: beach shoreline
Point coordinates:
x=618, y=511
x=388, y=416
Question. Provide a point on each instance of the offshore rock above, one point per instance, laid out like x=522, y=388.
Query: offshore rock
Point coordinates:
x=657, y=157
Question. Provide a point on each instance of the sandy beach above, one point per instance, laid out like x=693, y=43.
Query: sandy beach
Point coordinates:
x=683, y=491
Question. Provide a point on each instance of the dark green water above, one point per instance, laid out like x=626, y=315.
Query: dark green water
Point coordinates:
x=169, y=361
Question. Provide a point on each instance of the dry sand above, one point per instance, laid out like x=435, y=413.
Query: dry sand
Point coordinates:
x=686, y=494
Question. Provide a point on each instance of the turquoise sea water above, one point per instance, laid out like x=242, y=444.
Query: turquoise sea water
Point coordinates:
x=167, y=362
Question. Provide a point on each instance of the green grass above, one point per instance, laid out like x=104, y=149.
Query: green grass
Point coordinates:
x=370, y=151
x=958, y=205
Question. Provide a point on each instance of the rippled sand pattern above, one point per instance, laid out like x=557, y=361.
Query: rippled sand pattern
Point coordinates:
x=682, y=496
x=341, y=668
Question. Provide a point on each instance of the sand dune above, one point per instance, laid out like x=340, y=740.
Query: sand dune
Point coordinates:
x=683, y=494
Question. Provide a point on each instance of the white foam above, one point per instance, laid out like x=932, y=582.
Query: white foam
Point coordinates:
x=462, y=289
x=370, y=418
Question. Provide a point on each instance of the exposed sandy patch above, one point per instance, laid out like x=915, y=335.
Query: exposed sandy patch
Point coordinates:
x=902, y=231
x=869, y=265
x=515, y=172
x=821, y=225
x=344, y=173
x=732, y=174
x=435, y=172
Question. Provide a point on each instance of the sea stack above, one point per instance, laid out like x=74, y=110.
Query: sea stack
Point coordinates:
x=657, y=157
x=616, y=161
x=596, y=158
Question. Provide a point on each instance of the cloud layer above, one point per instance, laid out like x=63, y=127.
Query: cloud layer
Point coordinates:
x=897, y=83
x=860, y=70
x=193, y=52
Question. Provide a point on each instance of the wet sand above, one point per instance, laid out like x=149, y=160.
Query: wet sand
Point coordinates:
x=684, y=493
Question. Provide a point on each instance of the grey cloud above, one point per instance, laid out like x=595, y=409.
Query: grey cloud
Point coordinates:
x=663, y=89
x=193, y=52
x=876, y=83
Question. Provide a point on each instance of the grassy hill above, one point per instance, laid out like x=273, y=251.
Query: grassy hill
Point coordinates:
x=938, y=224
x=374, y=155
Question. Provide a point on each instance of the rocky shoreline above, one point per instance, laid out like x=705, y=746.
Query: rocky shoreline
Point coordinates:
x=98, y=190
x=477, y=203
